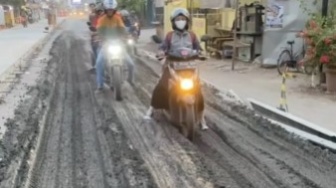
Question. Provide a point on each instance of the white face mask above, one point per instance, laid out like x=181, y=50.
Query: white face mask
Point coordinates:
x=180, y=24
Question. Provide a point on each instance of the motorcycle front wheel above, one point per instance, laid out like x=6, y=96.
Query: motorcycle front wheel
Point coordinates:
x=116, y=80
x=190, y=122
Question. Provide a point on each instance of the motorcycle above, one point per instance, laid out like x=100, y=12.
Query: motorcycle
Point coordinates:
x=131, y=46
x=185, y=96
x=114, y=66
x=135, y=31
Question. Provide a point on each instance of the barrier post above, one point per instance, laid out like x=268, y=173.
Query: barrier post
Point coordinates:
x=283, y=97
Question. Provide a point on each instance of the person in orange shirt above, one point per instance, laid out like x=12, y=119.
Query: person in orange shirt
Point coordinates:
x=111, y=26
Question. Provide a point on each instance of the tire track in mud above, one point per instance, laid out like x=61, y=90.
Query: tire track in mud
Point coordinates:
x=123, y=170
x=90, y=140
x=78, y=150
x=23, y=130
x=171, y=164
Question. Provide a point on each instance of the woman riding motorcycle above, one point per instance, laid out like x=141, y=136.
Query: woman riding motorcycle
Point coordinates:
x=179, y=37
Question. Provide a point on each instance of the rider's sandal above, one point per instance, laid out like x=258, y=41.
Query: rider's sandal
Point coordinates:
x=204, y=125
x=149, y=113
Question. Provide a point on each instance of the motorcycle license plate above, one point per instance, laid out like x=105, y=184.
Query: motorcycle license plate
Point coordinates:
x=115, y=61
x=184, y=65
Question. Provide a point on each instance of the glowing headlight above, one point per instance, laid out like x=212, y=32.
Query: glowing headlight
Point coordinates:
x=114, y=50
x=130, y=41
x=187, y=84
x=135, y=24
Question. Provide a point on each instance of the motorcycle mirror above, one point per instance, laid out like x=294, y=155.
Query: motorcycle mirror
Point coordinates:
x=202, y=58
x=156, y=39
x=88, y=23
x=206, y=38
x=93, y=28
x=159, y=57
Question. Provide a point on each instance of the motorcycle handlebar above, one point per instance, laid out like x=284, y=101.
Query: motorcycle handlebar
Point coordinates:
x=198, y=57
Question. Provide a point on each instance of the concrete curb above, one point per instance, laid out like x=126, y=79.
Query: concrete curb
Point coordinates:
x=11, y=76
x=291, y=120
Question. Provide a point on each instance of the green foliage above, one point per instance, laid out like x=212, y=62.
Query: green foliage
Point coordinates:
x=14, y=3
x=135, y=5
x=320, y=37
x=315, y=8
x=310, y=8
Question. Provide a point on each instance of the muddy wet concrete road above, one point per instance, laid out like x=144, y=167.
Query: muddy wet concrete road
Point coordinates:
x=90, y=140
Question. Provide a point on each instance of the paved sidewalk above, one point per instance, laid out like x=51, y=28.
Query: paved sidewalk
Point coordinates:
x=17, y=41
x=251, y=81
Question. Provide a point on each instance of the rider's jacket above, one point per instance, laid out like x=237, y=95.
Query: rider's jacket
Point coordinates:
x=179, y=40
x=95, y=20
x=111, y=27
x=127, y=21
x=94, y=37
x=92, y=17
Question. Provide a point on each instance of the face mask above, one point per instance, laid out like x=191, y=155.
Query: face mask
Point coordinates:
x=180, y=24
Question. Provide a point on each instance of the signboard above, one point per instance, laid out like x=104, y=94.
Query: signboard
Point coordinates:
x=274, y=15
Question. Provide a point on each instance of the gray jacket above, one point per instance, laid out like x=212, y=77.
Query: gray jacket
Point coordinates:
x=179, y=40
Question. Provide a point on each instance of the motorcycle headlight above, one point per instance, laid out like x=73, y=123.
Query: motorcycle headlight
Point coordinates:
x=130, y=41
x=187, y=84
x=114, y=50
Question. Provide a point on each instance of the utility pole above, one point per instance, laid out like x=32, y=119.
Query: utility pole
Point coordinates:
x=235, y=40
x=191, y=10
x=324, y=12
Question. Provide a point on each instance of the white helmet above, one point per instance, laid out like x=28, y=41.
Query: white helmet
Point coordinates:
x=110, y=4
x=179, y=12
